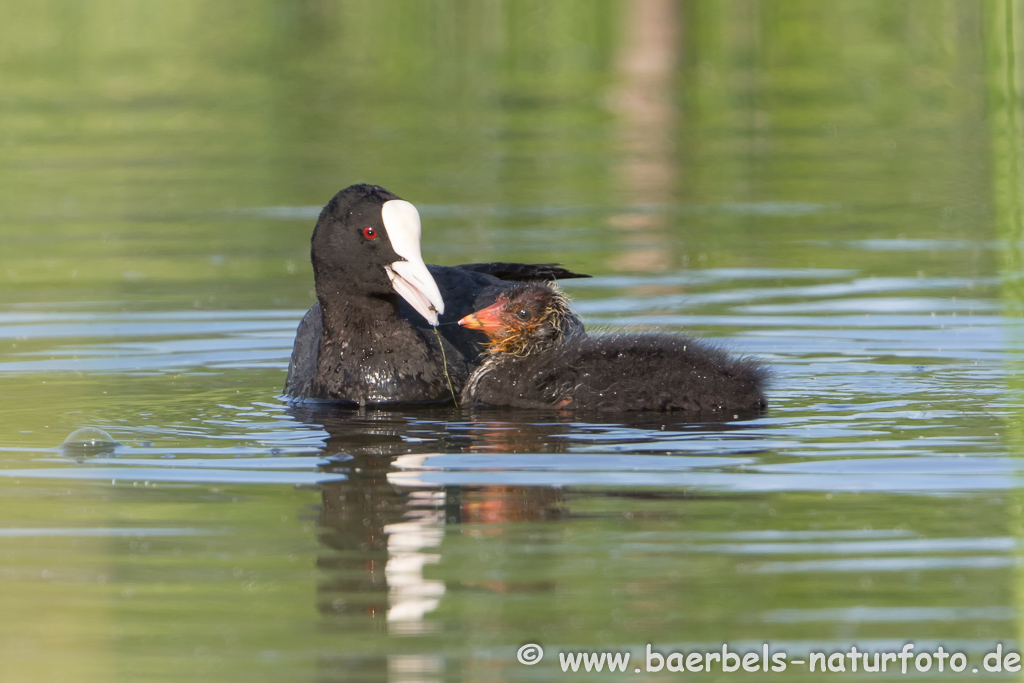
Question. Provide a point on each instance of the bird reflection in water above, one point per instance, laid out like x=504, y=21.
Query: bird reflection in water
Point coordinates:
x=395, y=516
x=379, y=534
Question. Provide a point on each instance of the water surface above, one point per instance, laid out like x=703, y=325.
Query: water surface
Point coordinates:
x=832, y=189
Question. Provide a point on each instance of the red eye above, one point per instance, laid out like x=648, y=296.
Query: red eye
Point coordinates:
x=369, y=233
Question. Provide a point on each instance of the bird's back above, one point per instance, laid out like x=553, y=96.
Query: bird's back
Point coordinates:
x=624, y=372
x=663, y=372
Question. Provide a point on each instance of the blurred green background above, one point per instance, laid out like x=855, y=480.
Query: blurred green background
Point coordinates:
x=170, y=157
x=142, y=143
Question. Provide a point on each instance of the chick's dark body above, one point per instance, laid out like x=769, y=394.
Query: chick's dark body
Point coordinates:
x=539, y=356
x=621, y=373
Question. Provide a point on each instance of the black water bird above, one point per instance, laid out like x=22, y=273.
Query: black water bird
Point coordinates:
x=372, y=336
x=539, y=356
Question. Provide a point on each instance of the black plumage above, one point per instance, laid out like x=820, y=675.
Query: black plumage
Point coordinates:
x=368, y=339
x=538, y=357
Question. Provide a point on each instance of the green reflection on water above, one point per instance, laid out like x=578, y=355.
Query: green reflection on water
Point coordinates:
x=135, y=141
x=141, y=145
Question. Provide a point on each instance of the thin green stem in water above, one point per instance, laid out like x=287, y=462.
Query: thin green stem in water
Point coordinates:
x=444, y=359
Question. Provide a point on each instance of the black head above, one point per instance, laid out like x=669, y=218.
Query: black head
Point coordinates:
x=367, y=242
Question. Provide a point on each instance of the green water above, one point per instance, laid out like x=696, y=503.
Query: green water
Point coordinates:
x=833, y=188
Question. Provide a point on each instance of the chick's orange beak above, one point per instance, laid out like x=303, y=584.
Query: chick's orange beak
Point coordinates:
x=486, y=320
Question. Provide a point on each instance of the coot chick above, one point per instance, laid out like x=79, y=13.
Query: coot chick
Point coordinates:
x=372, y=336
x=538, y=357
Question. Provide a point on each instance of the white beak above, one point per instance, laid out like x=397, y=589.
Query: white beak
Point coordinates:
x=410, y=278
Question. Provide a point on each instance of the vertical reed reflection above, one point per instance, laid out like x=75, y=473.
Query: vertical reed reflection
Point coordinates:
x=643, y=102
x=1004, y=99
x=1003, y=89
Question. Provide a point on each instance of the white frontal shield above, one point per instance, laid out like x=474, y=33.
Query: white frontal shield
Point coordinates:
x=410, y=278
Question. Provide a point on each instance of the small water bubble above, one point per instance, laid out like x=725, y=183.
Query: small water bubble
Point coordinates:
x=88, y=441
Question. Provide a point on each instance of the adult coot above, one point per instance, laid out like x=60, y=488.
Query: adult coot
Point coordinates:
x=539, y=356
x=370, y=338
